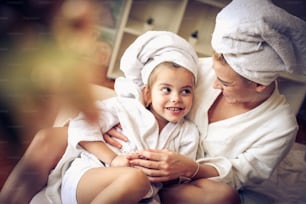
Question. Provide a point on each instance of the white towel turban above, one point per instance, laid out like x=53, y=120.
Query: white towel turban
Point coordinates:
x=260, y=40
x=153, y=48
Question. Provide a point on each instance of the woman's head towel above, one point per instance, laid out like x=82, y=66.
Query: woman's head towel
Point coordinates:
x=149, y=50
x=260, y=40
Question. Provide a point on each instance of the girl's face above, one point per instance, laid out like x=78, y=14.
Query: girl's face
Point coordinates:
x=170, y=93
x=235, y=89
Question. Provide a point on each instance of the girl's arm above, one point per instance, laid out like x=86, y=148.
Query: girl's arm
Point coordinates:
x=104, y=153
x=100, y=150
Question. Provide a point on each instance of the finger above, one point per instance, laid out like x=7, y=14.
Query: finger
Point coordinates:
x=154, y=175
x=153, y=155
x=146, y=163
x=132, y=156
x=119, y=126
x=159, y=179
x=108, y=139
x=117, y=134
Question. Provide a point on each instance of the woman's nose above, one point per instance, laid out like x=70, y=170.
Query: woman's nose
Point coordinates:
x=216, y=84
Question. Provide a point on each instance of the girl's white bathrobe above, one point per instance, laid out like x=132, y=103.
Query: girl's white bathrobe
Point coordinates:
x=138, y=124
x=245, y=149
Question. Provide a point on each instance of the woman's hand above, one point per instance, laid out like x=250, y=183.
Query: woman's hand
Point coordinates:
x=115, y=132
x=162, y=165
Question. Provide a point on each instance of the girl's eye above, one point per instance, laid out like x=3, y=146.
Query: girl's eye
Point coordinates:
x=186, y=91
x=166, y=90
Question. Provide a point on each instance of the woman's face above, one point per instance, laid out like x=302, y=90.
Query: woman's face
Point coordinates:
x=171, y=93
x=235, y=88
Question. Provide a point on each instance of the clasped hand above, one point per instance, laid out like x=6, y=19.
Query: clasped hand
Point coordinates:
x=159, y=165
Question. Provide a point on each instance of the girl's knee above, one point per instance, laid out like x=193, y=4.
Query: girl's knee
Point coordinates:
x=138, y=180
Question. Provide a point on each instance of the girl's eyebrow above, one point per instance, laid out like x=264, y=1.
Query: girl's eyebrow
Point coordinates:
x=167, y=84
x=164, y=84
x=187, y=87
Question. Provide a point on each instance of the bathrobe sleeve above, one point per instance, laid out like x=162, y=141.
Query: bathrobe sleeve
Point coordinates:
x=81, y=130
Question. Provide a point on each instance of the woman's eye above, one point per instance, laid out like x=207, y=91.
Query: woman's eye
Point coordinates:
x=224, y=84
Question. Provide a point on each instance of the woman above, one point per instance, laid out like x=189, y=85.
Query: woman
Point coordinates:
x=246, y=125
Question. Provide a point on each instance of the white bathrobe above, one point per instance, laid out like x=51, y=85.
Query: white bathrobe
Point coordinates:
x=245, y=149
x=138, y=124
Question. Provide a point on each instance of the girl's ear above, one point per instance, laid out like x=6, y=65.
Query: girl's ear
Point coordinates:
x=146, y=96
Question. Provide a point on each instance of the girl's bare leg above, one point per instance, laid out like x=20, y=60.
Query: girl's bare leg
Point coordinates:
x=112, y=185
x=31, y=173
x=202, y=191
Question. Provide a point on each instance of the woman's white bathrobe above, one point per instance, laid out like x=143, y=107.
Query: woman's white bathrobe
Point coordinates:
x=246, y=148
x=138, y=124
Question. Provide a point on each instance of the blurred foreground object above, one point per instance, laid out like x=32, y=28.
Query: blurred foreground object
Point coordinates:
x=45, y=50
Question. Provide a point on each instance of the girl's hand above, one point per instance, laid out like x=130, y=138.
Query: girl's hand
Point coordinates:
x=161, y=165
x=115, y=132
x=119, y=161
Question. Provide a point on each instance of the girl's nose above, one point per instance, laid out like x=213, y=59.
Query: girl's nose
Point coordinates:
x=175, y=97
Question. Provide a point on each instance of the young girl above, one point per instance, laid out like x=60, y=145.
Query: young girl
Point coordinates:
x=153, y=99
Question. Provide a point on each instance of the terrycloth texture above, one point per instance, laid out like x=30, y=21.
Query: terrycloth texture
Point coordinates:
x=153, y=48
x=246, y=148
x=260, y=40
x=137, y=123
x=287, y=184
x=126, y=88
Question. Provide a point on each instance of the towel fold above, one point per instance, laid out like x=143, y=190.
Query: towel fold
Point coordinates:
x=260, y=40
